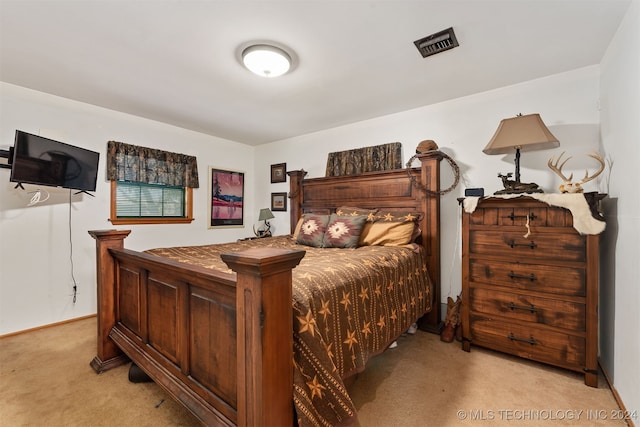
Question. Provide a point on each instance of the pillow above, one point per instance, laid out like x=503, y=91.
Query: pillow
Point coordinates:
x=312, y=230
x=352, y=211
x=296, y=231
x=399, y=216
x=318, y=211
x=390, y=229
x=344, y=231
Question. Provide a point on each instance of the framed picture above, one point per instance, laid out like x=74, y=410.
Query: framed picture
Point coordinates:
x=279, y=172
x=278, y=201
x=226, y=198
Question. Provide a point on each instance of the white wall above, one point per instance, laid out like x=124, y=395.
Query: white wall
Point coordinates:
x=620, y=283
x=566, y=102
x=35, y=265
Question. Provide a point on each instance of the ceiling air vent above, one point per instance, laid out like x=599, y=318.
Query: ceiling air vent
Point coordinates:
x=437, y=42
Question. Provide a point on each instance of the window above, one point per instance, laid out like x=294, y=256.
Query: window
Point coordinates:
x=150, y=186
x=139, y=203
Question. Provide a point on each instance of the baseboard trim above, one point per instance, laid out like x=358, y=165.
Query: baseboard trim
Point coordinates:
x=50, y=325
x=616, y=396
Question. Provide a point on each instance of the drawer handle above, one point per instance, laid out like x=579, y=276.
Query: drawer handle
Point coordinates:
x=513, y=244
x=513, y=275
x=532, y=308
x=513, y=216
x=528, y=341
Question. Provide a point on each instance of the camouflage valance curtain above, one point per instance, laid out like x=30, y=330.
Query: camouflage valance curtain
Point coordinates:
x=367, y=159
x=132, y=163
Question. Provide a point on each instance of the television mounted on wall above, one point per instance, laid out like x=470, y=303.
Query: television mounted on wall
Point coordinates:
x=43, y=161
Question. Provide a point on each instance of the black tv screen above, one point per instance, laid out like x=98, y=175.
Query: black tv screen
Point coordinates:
x=43, y=161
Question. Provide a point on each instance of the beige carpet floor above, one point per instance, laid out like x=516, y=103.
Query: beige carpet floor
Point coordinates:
x=45, y=380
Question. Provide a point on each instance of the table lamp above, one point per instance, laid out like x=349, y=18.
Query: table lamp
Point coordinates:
x=520, y=133
x=265, y=230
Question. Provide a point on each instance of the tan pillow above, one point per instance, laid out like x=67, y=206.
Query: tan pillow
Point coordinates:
x=390, y=229
x=296, y=230
x=387, y=234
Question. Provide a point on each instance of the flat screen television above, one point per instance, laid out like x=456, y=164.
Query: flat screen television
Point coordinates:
x=43, y=161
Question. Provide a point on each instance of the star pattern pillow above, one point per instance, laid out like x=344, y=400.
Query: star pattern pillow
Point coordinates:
x=355, y=211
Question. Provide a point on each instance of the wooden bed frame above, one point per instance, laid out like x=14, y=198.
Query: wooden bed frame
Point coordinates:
x=220, y=343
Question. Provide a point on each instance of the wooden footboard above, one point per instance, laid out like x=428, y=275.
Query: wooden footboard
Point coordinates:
x=220, y=344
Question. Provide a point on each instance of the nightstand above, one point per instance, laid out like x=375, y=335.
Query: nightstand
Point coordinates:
x=253, y=238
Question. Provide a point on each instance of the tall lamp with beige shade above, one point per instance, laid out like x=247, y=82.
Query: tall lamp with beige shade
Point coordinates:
x=520, y=133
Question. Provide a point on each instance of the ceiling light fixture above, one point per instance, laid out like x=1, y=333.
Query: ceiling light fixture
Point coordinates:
x=266, y=60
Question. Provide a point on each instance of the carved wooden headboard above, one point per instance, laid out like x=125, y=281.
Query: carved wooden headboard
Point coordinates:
x=389, y=190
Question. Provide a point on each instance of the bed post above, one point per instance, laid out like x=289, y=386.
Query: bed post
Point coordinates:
x=264, y=318
x=109, y=355
x=430, y=178
x=295, y=194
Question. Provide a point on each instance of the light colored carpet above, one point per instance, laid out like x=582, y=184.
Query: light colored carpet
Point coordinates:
x=46, y=380
x=425, y=382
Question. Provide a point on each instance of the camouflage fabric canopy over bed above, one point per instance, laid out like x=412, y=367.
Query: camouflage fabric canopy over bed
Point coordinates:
x=348, y=305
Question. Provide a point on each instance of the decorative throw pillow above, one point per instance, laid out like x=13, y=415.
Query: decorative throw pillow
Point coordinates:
x=390, y=229
x=344, y=231
x=354, y=211
x=399, y=216
x=312, y=230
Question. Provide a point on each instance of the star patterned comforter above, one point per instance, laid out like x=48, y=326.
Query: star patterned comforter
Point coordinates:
x=348, y=305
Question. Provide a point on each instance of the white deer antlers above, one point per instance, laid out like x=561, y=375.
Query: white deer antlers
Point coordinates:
x=568, y=186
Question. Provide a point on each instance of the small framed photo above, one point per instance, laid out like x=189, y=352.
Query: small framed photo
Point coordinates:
x=278, y=201
x=279, y=172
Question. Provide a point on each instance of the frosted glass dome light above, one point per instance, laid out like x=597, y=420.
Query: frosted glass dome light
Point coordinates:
x=266, y=61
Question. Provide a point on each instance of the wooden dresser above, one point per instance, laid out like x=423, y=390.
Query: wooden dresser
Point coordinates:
x=533, y=296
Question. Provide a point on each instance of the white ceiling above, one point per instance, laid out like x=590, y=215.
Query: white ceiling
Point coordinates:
x=175, y=61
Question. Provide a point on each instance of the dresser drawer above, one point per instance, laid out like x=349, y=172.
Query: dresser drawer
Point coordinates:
x=543, y=216
x=559, y=280
x=529, y=341
x=552, y=312
x=512, y=245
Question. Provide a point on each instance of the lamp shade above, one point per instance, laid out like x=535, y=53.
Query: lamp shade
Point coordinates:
x=527, y=133
x=266, y=60
x=265, y=214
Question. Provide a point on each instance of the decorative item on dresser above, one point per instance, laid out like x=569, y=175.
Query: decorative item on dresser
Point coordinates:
x=568, y=185
x=520, y=133
x=530, y=278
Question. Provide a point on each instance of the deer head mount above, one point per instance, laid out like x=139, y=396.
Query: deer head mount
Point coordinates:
x=568, y=185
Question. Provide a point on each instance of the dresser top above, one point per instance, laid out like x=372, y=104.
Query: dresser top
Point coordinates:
x=583, y=207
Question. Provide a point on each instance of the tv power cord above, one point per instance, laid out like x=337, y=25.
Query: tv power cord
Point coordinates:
x=37, y=197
